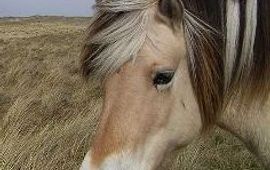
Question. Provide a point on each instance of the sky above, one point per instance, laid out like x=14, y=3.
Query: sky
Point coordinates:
x=46, y=7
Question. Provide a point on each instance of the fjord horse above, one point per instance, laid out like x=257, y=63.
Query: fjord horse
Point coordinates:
x=170, y=70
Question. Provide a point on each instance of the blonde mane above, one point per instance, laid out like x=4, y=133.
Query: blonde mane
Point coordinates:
x=119, y=41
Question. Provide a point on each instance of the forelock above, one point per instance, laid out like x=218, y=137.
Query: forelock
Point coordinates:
x=115, y=36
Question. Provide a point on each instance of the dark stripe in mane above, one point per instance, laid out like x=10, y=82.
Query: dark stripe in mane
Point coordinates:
x=260, y=74
x=205, y=58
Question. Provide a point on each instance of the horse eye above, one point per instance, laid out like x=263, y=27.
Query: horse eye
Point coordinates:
x=163, y=78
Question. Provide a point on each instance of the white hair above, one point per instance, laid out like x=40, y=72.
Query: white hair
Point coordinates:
x=233, y=38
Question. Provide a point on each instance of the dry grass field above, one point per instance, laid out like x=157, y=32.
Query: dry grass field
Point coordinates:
x=48, y=113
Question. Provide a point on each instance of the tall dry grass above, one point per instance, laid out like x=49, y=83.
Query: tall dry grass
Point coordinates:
x=48, y=113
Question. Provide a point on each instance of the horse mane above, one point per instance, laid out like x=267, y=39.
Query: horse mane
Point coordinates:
x=228, y=45
x=119, y=28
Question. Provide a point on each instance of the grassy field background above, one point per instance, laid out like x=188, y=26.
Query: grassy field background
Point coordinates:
x=48, y=113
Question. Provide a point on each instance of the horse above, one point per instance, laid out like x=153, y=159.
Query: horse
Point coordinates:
x=172, y=69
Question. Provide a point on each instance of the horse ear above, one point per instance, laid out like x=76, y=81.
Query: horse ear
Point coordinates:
x=171, y=9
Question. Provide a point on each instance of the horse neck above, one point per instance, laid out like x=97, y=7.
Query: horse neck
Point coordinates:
x=252, y=127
